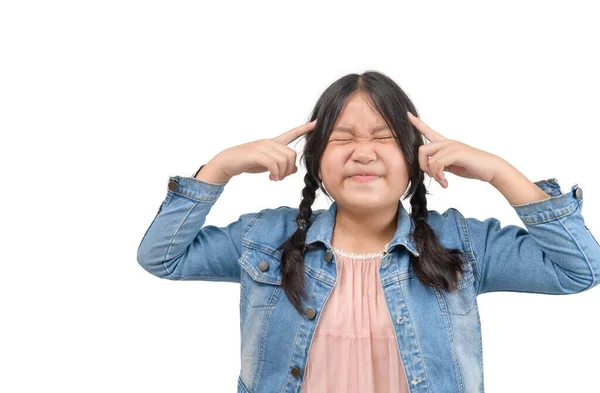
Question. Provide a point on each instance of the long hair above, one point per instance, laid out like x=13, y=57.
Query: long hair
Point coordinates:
x=436, y=266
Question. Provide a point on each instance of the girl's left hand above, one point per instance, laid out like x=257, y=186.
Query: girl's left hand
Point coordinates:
x=444, y=154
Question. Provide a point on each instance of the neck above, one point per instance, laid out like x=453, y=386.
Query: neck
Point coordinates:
x=362, y=232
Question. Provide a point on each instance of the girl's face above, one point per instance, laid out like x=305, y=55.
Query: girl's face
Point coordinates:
x=362, y=142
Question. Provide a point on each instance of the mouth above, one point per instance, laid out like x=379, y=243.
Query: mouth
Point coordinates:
x=364, y=177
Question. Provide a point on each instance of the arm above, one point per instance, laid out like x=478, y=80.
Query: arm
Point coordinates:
x=556, y=253
x=178, y=246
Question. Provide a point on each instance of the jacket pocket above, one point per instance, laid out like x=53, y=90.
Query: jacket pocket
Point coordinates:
x=261, y=278
x=462, y=300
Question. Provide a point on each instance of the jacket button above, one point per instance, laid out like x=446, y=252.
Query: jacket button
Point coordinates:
x=328, y=256
x=296, y=372
x=173, y=185
x=310, y=313
x=579, y=193
x=263, y=266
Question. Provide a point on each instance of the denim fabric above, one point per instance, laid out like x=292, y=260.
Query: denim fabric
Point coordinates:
x=438, y=333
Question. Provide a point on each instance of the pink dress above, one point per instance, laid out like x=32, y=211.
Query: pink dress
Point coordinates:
x=354, y=349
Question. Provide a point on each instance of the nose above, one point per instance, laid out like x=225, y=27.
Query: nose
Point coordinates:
x=364, y=151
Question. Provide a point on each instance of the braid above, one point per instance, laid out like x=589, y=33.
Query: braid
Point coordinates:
x=418, y=203
x=292, y=260
x=309, y=193
x=436, y=265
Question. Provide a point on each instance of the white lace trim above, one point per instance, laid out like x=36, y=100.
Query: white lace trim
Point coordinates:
x=354, y=255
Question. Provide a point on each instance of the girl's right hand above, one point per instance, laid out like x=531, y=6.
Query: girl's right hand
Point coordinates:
x=263, y=155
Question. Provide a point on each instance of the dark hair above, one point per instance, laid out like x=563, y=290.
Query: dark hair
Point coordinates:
x=436, y=266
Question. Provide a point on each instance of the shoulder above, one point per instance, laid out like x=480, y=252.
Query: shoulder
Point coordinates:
x=448, y=225
x=272, y=226
x=446, y=218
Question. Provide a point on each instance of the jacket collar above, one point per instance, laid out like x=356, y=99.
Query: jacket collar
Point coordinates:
x=322, y=229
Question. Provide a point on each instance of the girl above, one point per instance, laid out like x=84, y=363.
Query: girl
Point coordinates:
x=364, y=296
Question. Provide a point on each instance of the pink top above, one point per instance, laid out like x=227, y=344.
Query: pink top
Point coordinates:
x=354, y=349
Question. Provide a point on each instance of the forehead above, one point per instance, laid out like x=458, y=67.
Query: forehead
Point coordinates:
x=359, y=115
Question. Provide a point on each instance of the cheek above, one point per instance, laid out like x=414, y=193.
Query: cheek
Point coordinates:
x=332, y=161
x=396, y=167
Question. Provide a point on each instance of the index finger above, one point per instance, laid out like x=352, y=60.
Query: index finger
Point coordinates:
x=429, y=133
x=295, y=133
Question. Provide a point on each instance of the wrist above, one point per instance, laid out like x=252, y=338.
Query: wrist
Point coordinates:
x=212, y=173
x=504, y=170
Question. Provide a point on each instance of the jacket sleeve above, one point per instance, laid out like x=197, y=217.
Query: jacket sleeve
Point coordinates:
x=177, y=245
x=554, y=254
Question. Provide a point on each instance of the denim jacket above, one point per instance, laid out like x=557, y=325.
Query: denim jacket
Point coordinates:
x=438, y=333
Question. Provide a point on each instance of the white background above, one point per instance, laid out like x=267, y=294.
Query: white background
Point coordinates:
x=102, y=101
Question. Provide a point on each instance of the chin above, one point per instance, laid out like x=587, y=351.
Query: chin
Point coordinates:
x=363, y=202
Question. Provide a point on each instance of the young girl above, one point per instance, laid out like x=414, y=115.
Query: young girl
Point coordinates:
x=363, y=296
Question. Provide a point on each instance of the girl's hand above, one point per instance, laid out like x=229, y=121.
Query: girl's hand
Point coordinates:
x=263, y=155
x=444, y=154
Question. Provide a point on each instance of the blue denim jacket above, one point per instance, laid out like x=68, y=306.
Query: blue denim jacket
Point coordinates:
x=438, y=334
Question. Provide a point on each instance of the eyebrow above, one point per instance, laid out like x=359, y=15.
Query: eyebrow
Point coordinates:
x=351, y=131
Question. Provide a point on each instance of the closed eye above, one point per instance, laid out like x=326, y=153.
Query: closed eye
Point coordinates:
x=349, y=140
